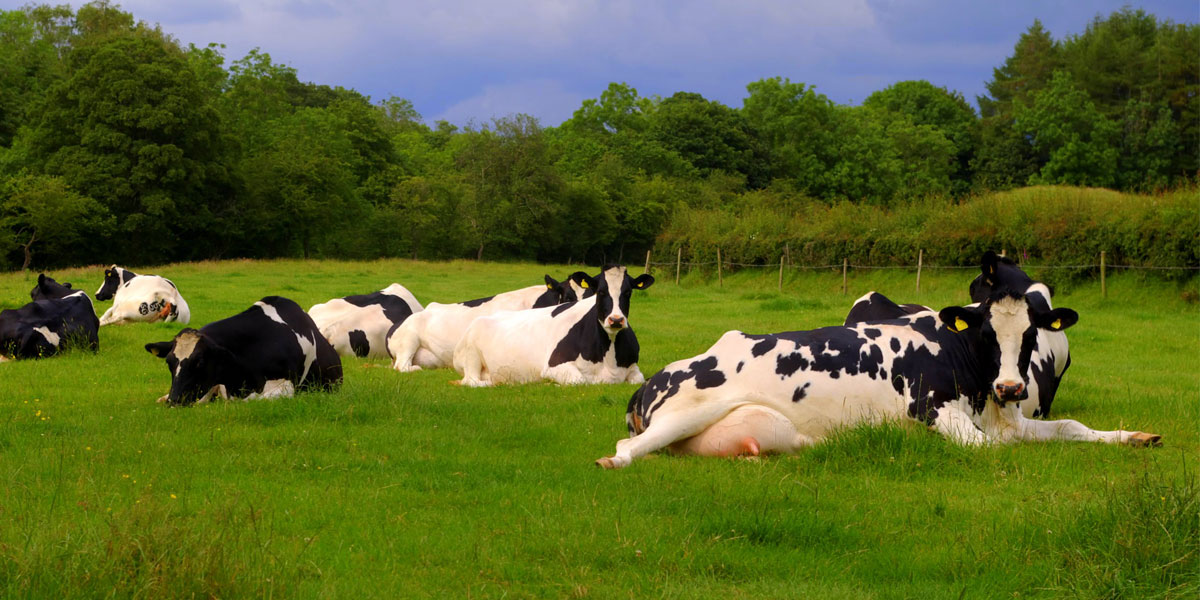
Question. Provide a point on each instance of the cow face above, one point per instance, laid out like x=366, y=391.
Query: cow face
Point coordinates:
x=559, y=292
x=613, y=289
x=200, y=368
x=49, y=289
x=1002, y=333
x=114, y=276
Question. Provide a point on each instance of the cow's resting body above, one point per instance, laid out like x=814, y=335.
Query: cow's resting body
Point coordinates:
x=1051, y=353
x=427, y=339
x=359, y=325
x=961, y=371
x=588, y=341
x=58, y=317
x=144, y=298
x=271, y=349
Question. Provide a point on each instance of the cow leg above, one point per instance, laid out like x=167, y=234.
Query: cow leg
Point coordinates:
x=275, y=388
x=1070, y=430
x=469, y=362
x=635, y=376
x=665, y=429
x=748, y=430
x=107, y=317
x=565, y=374
x=956, y=425
x=404, y=344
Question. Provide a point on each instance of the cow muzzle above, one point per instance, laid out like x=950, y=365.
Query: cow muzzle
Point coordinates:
x=615, y=322
x=1011, y=391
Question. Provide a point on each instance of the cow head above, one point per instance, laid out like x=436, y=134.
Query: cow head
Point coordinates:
x=200, y=367
x=1002, y=333
x=49, y=289
x=613, y=288
x=998, y=273
x=114, y=276
x=559, y=292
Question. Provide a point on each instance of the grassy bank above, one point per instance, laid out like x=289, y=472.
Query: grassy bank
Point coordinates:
x=405, y=486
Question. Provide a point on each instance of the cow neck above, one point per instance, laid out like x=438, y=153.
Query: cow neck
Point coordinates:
x=960, y=350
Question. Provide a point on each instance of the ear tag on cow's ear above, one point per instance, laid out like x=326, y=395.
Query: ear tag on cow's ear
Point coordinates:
x=583, y=283
x=959, y=324
x=640, y=285
x=1056, y=325
x=549, y=287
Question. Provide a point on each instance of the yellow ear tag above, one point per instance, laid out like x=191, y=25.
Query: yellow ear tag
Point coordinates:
x=549, y=287
x=959, y=324
x=1056, y=324
x=583, y=284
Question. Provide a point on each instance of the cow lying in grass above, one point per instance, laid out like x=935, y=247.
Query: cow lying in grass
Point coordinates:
x=961, y=371
x=59, y=317
x=427, y=339
x=589, y=341
x=140, y=298
x=360, y=325
x=269, y=350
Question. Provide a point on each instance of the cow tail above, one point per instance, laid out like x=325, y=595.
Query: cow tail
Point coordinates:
x=634, y=413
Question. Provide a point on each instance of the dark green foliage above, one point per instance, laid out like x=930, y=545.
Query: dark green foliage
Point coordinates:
x=171, y=153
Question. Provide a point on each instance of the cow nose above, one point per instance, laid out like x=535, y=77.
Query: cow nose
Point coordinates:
x=1010, y=391
x=616, y=322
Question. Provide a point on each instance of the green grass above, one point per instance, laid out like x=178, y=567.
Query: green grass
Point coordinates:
x=405, y=486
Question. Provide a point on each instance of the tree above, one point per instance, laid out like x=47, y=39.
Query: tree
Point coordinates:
x=1076, y=143
x=709, y=135
x=796, y=126
x=944, y=111
x=36, y=209
x=1029, y=70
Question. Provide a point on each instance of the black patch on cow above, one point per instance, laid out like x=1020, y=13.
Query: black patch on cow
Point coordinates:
x=800, y=392
x=764, y=346
x=706, y=373
x=895, y=344
x=126, y=275
x=476, y=302
x=872, y=333
x=561, y=308
x=741, y=363
x=627, y=348
x=877, y=307
x=359, y=343
x=584, y=339
x=395, y=309
x=665, y=384
x=72, y=318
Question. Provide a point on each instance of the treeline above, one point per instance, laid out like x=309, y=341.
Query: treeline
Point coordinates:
x=118, y=144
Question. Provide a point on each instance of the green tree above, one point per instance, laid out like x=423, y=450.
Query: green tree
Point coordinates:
x=42, y=210
x=796, y=126
x=709, y=135
x=946, y=112
x=1077, y=144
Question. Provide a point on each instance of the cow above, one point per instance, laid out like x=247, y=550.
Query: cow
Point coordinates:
x=269, y=350
x=587, y=341
x=1051, y=354
x=360, y=325
x=146, y=298
x=961, y=371
x=57, y=318
x=427, y=339
x=49, y=289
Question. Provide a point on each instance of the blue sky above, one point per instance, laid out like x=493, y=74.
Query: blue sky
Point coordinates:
x=464, y=60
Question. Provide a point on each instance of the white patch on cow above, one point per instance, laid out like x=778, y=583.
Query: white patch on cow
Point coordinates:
x=830, y=351
x=1010, y=320
x=615, y=278
x=270, y=311
x=185, y=345
x=49, y=335
x=310, y=354
x=275, y=388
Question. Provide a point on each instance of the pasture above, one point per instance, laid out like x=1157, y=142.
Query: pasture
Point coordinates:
x=404, y=486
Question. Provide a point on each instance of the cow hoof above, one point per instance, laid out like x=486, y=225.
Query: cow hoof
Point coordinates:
x=1142, y=439
x=606, y=463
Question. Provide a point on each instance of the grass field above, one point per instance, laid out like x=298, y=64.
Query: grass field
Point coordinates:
x=403, y=486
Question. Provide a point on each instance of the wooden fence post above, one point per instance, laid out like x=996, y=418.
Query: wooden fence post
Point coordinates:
x=920, y=261
x=678, y=258
x=720, y=281
x=647, y=269
x=1103, y=286
x=787, y=251
x=781, y=272
x=845, y=264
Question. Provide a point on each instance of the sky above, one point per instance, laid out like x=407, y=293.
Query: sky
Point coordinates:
x=468, y=61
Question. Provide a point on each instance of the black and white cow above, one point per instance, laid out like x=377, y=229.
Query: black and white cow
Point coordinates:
x=58, y=318
x=961, y=371
x=360, y=325
x=269, y=350
x=49, y=289
x=146, y=298
x=427, y=339
x=588, y=341
x=1051, y=353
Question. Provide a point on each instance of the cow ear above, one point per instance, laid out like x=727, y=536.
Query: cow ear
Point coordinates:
x=550, y=282
x=160, y=349
x=67, y=285
x=643, y=281
x=41, y=278
x=960, y=318
x=988, y=265
x=584, y=280
x=1057, y=319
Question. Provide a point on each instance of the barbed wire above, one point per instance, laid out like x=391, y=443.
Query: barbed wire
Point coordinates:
x=911, y=267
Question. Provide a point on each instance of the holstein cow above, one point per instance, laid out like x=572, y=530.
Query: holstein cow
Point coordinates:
x=58, y=318
x=960, y=371
x=588, y=341
x=427, y=339
x=269, y=350
x=140, y=298
x=1050, y=356
x=360, y=325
